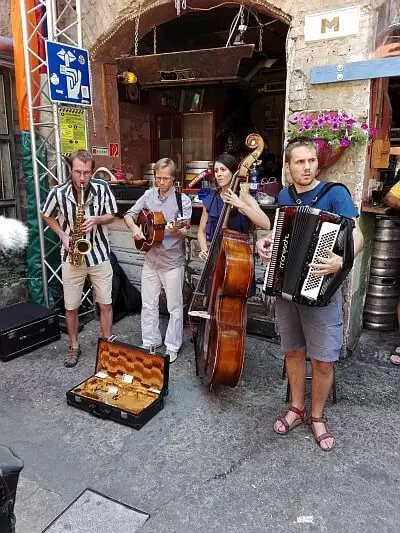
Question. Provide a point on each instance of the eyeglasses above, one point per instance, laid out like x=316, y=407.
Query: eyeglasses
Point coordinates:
x=85, y=174
x=157, y=178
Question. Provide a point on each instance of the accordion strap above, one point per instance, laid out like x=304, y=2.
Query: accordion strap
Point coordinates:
x=324, y=189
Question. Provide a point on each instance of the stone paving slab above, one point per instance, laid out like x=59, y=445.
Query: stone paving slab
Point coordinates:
x=91, y=512
x=208, y=461
x=36, y=506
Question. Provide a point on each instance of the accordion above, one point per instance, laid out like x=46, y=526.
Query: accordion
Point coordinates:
x=299, y=237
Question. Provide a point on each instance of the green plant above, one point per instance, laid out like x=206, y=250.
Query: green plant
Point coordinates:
x=335, y=127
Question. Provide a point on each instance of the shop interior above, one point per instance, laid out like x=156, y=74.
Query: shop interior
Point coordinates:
x=385, y=148
x=392, y=174
x=383, y=291
x=203, y=82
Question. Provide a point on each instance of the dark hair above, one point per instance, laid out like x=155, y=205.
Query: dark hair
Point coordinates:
x=297, y=142
x=228, y=160
x=82, y=155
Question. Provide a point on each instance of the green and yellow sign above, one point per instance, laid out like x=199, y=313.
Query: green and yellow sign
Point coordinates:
x=72, y=124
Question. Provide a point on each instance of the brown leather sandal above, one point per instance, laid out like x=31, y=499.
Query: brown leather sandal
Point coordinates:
x=302, y=417
x=323, y=436
x=72, y=356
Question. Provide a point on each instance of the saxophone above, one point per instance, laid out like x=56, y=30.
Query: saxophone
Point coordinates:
x=78, y=245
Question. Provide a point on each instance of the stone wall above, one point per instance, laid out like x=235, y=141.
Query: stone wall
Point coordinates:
x=109, y=31
x=5, y=23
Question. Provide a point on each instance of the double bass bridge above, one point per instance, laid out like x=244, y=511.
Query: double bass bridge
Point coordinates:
x=200, y=314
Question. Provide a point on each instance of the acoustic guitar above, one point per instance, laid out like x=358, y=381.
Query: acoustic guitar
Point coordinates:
x=152, y=224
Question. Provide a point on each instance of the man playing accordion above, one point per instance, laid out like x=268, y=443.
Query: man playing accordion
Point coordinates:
x=308, y=330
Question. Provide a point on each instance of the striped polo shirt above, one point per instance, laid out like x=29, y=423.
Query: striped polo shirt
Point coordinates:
x=100, y=201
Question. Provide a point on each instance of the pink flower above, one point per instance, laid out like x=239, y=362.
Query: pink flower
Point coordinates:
x=344, y=142
x=372, y=131
x=364, y=126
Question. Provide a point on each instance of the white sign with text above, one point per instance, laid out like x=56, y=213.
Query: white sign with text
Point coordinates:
x=332, y=24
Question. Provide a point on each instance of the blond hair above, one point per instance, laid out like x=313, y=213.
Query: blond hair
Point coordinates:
x=165, y=162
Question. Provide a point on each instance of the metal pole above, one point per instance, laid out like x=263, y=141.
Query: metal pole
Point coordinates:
x=51, y=32
x=36, y=176
x=79, y=23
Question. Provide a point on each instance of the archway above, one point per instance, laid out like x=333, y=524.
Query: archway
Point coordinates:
x=111, y=41
x=155, y=121
x=253, y=100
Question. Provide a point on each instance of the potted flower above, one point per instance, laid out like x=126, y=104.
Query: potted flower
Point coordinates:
x=332, y=132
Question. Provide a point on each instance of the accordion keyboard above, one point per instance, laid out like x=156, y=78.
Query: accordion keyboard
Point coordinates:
x=275, y=239
x=326, y=241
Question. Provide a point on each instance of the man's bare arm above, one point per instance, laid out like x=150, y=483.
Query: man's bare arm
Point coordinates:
x=391, y=201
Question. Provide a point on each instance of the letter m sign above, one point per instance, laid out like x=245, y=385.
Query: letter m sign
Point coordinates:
x=329, y=24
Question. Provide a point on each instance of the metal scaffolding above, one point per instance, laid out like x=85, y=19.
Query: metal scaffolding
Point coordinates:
x=59, y=21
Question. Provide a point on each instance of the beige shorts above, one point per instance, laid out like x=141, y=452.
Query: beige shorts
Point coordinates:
x=74, y=278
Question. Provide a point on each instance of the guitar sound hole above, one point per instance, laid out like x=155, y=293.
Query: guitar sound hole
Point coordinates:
x=145, y=229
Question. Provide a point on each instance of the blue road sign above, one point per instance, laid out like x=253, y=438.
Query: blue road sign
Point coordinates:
x=68, y=73
x=358, y=70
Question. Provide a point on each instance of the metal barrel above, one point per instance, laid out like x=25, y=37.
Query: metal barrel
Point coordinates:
x=386, y=251
x=147, y=172
x=384, y=283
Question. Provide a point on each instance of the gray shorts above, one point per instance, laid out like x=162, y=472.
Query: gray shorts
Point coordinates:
x=317, y=329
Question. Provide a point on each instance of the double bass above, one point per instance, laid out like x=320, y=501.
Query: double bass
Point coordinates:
x=219, y=301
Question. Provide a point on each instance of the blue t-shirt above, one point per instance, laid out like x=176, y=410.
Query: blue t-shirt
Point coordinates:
x=337, y=200
x=214, y=204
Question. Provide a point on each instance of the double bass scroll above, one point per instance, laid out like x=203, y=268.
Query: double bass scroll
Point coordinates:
x=219, y=301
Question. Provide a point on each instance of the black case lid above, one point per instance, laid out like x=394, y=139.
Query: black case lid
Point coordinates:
x=22, y=314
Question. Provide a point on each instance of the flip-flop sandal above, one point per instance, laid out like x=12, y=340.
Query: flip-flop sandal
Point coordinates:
x=288, y=427
x=323, y=436
x=395, y=354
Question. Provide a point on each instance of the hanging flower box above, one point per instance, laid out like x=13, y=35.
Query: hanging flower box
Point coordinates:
x=332, y=132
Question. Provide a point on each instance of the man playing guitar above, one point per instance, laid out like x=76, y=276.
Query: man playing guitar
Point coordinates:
x=164, y=262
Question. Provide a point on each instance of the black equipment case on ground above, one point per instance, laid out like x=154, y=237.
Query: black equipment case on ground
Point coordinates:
x=129, y=384
x=24, y=327
x=10, y=468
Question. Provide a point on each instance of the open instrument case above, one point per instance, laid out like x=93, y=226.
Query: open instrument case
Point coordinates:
x=129, y=385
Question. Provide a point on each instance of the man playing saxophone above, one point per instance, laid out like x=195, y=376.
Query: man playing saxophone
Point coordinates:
x=78, y=211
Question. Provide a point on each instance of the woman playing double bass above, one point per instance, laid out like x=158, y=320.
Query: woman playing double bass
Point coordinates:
x=219, y=301
x=246, y=207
